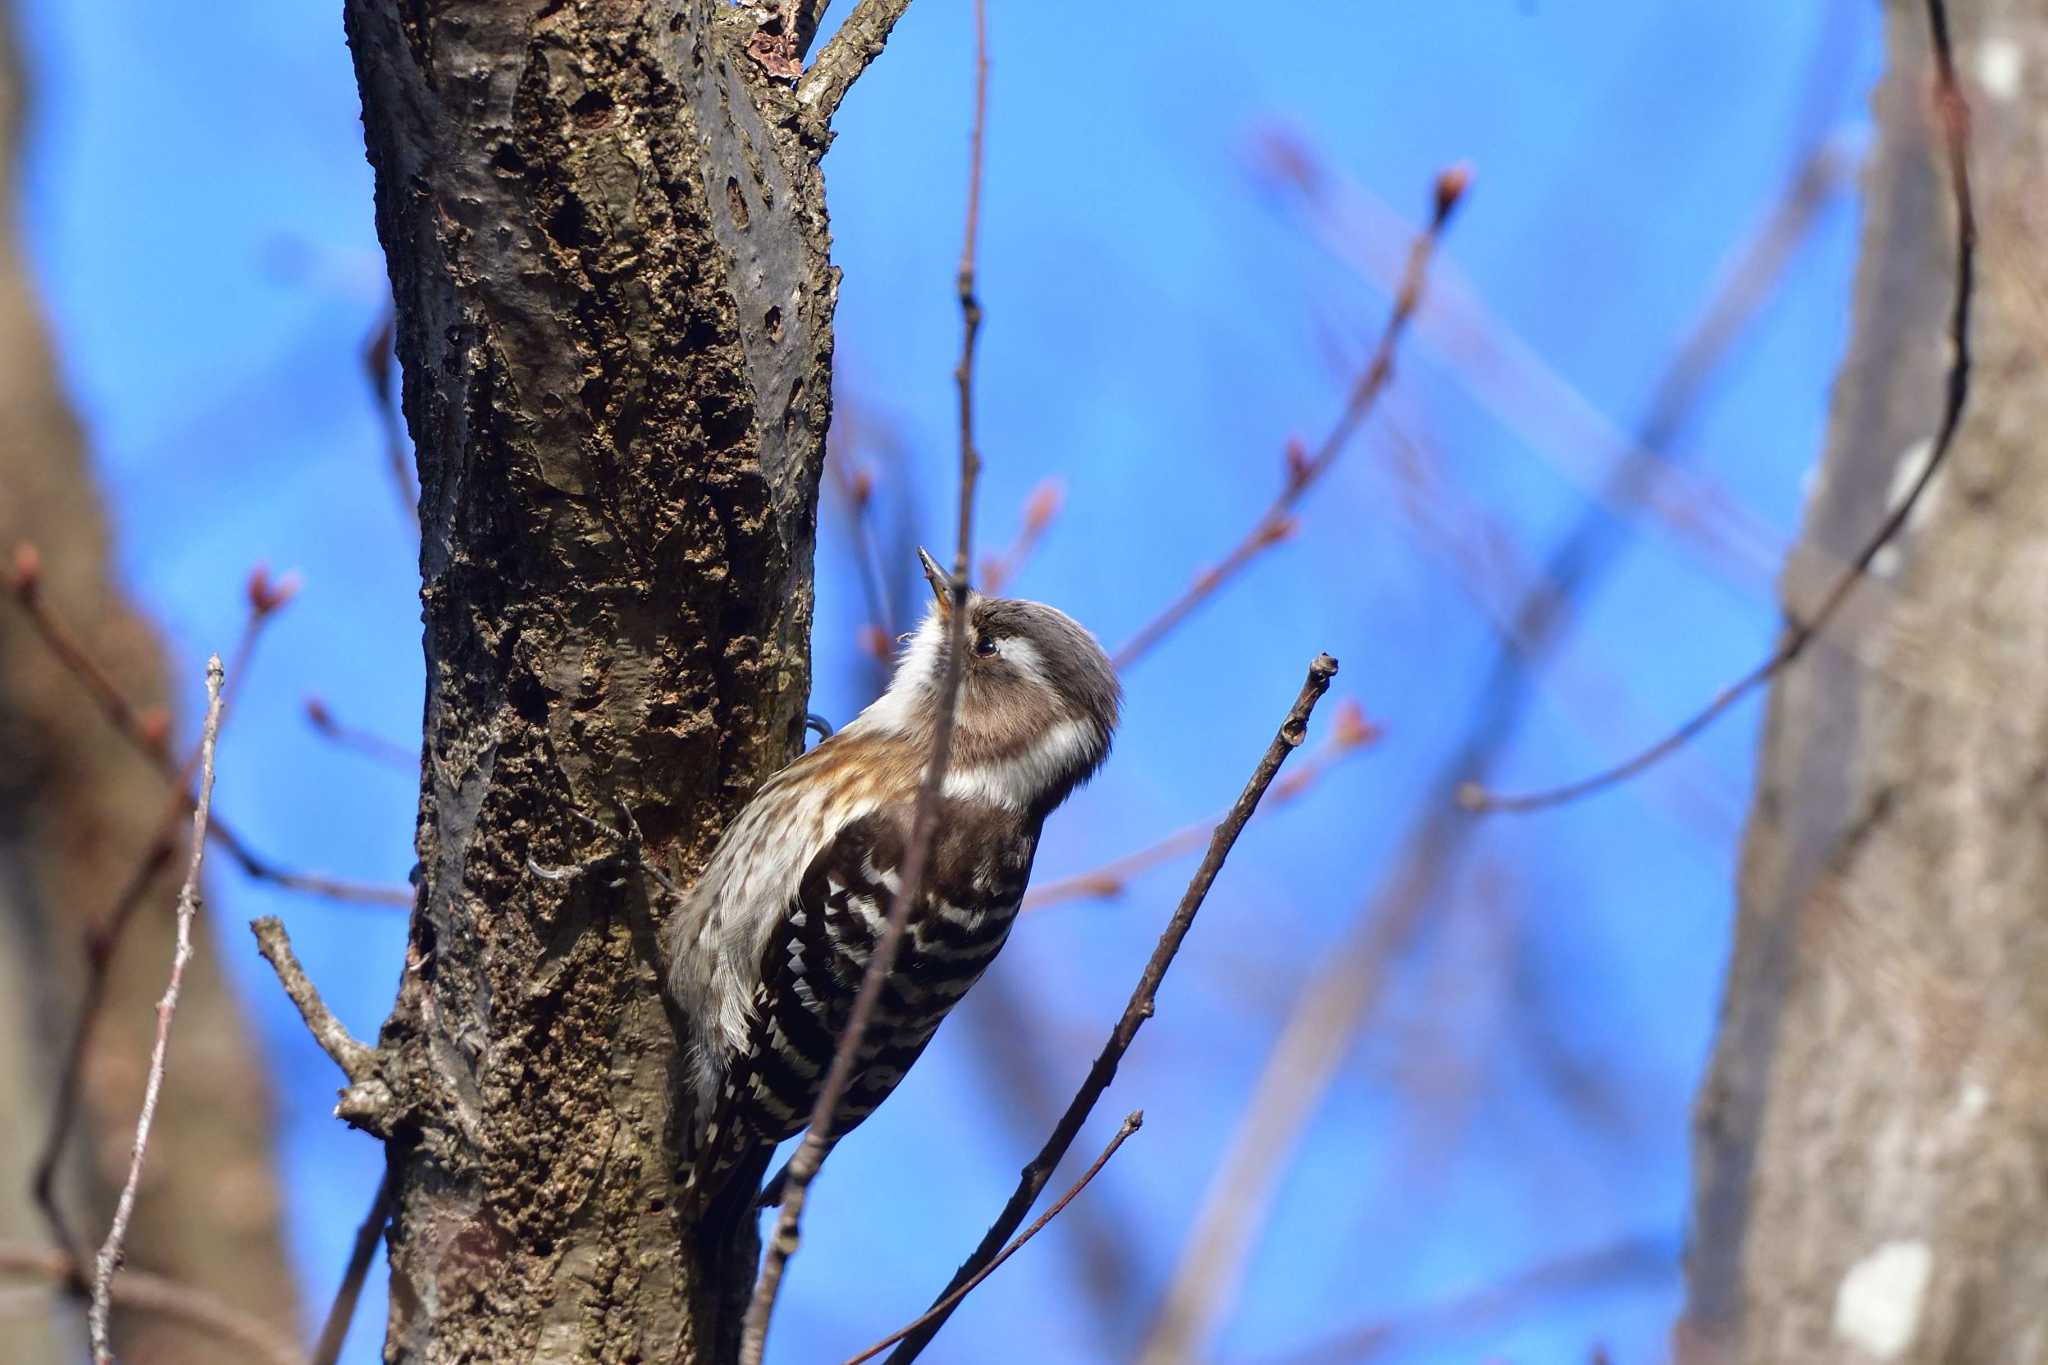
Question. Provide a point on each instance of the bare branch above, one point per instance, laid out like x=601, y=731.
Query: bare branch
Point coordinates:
x=1304, y=468
x=858, y=42
x=1137, y=1011
x=817, y=1140
x=111, y=1250
x=146, y=1293
x=334, y=1332
x=1955, y=122
x=1132, y=1122
x=357, y=1062
x=148, y=731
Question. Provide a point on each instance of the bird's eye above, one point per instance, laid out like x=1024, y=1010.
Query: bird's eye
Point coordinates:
x=985, y=645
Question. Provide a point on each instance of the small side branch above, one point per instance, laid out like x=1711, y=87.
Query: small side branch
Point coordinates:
x=1954, y=114
x=1133, y=1121
x=857, y=43
x=109, y=1259
x=1292, y=731
x=357, y=1062
x=1305, y=467
x=148, y=732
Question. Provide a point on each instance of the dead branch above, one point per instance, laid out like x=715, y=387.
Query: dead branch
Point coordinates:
x=858, y=42
x=1140, y=1008
x=1132, y=1122
x=1276, y=523
x=817, y=1141
x=111, y=1250
x=1955, y=123
x=357, y=1062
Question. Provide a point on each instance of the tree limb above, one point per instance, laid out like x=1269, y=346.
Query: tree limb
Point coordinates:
x=357, y=1062
x=857, y=43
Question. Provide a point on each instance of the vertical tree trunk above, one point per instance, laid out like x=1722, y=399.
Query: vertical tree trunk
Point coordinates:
x=606, y=233
x=77, y=806
x=1873, y=1164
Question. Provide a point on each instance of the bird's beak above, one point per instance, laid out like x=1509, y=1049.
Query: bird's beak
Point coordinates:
x=941, y=581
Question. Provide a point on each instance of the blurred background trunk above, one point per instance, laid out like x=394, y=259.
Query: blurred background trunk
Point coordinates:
x=78, y=808
x=1872, y=1165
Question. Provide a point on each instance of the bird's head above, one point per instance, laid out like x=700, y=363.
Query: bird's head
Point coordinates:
x=1038, y=700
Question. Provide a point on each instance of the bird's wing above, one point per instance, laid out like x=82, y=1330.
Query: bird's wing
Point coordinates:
x=819, y=951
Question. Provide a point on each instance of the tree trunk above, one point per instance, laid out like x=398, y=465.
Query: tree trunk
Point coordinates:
x=606, y=234
x=78, y=806
x=1872, y=1161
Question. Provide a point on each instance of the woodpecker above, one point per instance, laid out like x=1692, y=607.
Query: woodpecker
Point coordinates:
x=768, y=947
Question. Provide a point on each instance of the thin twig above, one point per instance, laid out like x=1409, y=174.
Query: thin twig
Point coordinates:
x=1304, y=468
x=356, y=1061
x=970, y=303
x=111, y=1250
x=817, y=1140
x=388, y=752
x=859, y=41
x=334, y=1332
x=1133, y=1121
x=1511, y=378
x=1955, y=122
x=146, y=732
x=1041, y=507
x=104, y=935
x=146, y=1293
x=1351, y=733
x=1137, y=1011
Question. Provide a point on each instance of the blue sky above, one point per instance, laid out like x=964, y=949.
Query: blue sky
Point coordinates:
x=1162, y=317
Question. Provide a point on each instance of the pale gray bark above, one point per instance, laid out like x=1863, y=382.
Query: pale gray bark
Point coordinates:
x=1872, y=1161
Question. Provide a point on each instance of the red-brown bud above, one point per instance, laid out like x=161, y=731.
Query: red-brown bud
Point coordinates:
x=267, y=594
x=1450, y=188
x=28, y=568
x=1044, y=504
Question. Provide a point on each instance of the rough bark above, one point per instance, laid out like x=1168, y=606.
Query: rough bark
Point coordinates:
x=606, y=235
x=77, y=806
x=1872, y=1178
